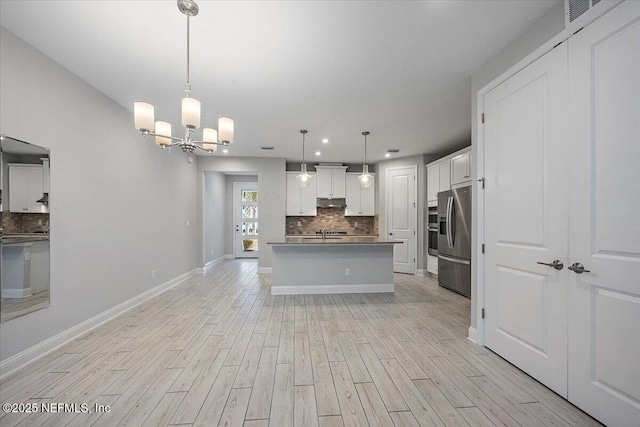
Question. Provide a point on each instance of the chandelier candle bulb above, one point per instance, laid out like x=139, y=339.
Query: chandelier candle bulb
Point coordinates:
x=225, y=129
x=164, y=129
x=191, y=113
x=143, y=116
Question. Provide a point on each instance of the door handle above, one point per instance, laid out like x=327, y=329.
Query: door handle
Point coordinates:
x=390, y=234
x=578, y=268
x=557, y=264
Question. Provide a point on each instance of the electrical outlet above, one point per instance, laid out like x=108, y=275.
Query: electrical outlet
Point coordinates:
x=299, y=223
x=355, y=224
x=153, y=274
x=39, y=222
x=347, y=271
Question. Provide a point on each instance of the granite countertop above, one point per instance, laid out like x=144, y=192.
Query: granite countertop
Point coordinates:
x=24, y=238
x=333, y=240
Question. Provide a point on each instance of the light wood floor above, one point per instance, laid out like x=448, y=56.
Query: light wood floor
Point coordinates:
x=220, y=350
x=10, y=308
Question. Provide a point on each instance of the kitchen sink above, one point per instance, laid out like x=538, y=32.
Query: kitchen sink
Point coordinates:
x=320, y=238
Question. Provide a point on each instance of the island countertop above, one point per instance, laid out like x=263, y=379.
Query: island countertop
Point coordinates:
x=333, y=240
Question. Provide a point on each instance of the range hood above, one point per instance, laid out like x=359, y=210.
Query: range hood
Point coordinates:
x=331, y=203
x=44, y=200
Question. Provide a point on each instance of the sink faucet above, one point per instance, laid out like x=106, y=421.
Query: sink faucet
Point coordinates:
x=324, y=232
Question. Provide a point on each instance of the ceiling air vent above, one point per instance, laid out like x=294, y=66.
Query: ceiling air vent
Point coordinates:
x=579, y=13
x=266, y=147
x=393, y=150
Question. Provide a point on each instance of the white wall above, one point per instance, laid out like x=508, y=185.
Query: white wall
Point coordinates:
x=271, y=202
x=551, y=24
x=229, y=217
x=119, y=205
x=215, y=207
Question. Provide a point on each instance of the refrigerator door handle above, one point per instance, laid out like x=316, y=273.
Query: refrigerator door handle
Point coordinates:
x=449, y=206
x=457, y=261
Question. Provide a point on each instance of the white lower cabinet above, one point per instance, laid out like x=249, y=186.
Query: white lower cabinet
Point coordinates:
x=301, y=201
x=360, y=201
x=432, y=264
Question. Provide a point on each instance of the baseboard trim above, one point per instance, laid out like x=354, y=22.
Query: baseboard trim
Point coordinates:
x=16, y=293
x=331, y=289
x=421, y=272
x=230, y=256
x=473, y=335
x=264, y=270
x=213, y=262
x=30, y=355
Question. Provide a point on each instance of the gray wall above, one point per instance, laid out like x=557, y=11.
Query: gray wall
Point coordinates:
x=119, y=205
x=230, y=234
x=215, y=206
x=272, y=201
x=551, y=24
x=419, y=161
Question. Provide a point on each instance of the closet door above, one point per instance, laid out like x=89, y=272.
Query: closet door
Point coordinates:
x=526, y=219
x=604, y=303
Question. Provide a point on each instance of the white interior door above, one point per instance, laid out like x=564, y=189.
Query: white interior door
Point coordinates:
x=246, y=219
x=604, y=304
x=526, y=219
x=401, y=217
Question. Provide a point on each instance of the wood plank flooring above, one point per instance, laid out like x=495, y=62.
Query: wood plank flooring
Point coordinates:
x=219, y=350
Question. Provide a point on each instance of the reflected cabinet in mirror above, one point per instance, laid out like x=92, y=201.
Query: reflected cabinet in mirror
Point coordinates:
x=24, y=206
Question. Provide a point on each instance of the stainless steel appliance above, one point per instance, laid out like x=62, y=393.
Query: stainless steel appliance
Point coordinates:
x=432, y=230
x=454, y=240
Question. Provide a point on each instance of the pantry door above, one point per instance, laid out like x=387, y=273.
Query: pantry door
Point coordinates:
x=526, y=219
x=246, y=219
x=604, y=302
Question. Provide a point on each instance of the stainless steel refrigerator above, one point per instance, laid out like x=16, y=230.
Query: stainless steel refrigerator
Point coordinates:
x=454, y=240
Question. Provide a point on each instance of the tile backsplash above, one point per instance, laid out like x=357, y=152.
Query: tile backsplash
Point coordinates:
x=16, y=223
x=334, y=220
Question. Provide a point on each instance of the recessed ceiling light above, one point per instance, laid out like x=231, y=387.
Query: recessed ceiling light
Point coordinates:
x=225, y=151
x=318, y=153
x=387, y=155
x=325, y=141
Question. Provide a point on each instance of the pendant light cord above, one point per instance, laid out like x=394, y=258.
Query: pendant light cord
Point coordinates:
x=365, y=149
x=188, y=83
x=303, y=135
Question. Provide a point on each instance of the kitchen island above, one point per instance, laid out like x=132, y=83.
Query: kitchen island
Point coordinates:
x=335, y=265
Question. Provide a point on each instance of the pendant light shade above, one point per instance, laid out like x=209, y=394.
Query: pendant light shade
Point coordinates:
x=143, y=116
x=366, y=179
x=191, y=113
x=303, y=178
x=209, y=139
x=163, y=129
x=225, y=129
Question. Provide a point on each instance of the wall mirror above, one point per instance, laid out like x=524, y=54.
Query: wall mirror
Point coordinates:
x=24, y=242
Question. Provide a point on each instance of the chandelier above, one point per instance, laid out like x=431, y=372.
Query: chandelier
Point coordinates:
x=366, y=179
x=145, y=121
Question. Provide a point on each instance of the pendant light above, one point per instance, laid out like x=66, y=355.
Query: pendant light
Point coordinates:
x=304, y=178
x=366, y=179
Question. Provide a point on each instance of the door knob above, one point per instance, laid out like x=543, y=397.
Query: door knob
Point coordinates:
x=390, y=234
x=578, y=268
x=557, y=264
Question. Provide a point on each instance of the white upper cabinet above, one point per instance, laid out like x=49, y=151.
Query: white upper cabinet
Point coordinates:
x=331, y=181
x=360, y=201
x=461, y=168
x=301, y=201
x=444, y=170
x=25, y=188
x=433, y=183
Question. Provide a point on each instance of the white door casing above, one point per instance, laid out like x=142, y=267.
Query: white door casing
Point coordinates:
x=604, y=227
x=526, y=219
x=246, y=218
x=401, y=217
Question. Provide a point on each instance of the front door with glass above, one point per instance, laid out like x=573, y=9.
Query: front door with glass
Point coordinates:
x=246, y=219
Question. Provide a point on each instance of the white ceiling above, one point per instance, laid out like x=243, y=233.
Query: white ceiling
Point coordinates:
x=400, y=70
